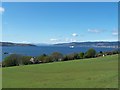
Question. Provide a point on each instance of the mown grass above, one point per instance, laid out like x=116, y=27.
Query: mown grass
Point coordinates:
x=99, y=72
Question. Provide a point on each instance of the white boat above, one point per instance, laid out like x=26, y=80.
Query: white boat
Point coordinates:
x=72, y=46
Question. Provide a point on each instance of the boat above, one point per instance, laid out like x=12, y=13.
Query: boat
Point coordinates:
x=6, y=53
x=72, y=46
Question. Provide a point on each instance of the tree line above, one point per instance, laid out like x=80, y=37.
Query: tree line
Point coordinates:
x=17, y=60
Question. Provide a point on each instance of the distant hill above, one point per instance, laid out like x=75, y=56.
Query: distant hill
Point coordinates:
x=91, y=44
x=14, y=44
x=78, y=44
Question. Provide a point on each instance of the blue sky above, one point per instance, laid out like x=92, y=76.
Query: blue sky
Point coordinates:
x=59, y=22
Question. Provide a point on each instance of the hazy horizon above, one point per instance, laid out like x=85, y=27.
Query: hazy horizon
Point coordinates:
x=55, y=43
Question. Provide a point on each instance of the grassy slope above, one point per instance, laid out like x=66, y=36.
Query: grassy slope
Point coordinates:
x=95, y=73
x=0, y=78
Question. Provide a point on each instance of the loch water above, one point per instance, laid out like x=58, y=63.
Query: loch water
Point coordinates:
x=38, y=50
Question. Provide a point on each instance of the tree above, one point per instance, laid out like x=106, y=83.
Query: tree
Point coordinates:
x=90, y=53
x=47, y=59
x=65, y=58
x=115, y=52
x=26, y=60
x=44, y=58
x=81, y=55
x=12, y=60
x=76, y=55
x=56, y=56
x=41, y=58
x=72, y=56
x=101, y=52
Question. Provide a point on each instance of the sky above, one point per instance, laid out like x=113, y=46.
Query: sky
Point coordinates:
x=59, y=22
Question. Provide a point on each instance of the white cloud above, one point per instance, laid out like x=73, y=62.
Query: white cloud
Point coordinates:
x=94, y=30
x=53, y=39
x=66, y=39
x=115, y=32
x=74, y=34
x=24, y=42
x=73, y=40
x=2, y=9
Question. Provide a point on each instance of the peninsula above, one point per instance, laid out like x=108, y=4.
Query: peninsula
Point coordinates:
x=14, y=44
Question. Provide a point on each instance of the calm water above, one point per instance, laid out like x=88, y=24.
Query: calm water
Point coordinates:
x=35, y=51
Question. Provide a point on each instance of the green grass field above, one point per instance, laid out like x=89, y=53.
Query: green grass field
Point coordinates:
x=99, y=72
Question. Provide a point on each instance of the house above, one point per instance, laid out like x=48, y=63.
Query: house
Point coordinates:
x=32, y=59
